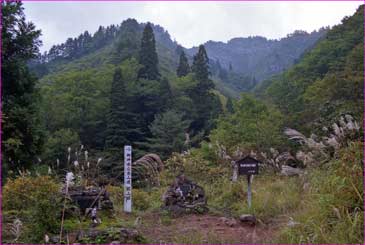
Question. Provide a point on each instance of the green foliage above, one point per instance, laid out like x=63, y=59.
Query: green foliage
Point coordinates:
x=229, y=106
x=117, y=127
x=327, y=81
x=253, y=125
x=148, y=56
x=168, y=133
x=183, y=69
x=200, y=66
x=333, y=206
x=272, y=196
x=57, y=144
x=207, y=104
x=193, y=165
x=21, y=134
x=38, y=202
x=78, y=100
x=142, y=200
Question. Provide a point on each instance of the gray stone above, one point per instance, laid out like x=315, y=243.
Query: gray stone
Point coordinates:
x=127, y=234
x=290, y=171
x=248, y=219
x=185, y=196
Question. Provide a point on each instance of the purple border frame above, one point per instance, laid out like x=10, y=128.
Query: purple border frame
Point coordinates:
x=1, y=223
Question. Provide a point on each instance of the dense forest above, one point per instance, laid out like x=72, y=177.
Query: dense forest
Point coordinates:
x=294, y=104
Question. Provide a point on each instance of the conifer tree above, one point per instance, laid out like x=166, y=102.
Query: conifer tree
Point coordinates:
x=148, y=56
x=183, y=69
x=229, y=106
x=201, y=64
x=117, y=128
x=207, y=105
x=21, y=131
x=168, y=133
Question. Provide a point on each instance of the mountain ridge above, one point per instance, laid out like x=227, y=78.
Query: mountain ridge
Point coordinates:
x=255, y=57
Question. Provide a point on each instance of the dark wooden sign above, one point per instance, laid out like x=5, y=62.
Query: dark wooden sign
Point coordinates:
x=248, y=166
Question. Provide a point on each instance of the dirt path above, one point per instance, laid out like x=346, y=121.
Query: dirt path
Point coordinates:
x=203, y=229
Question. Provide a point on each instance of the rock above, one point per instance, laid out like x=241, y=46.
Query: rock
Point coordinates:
x=227, y=221
x=292, y=223
x=54, y=239
x=115, y=242
x=184, y=196
x=127, y=234
x=231, y=223
x=290, y=171
x=248, y=219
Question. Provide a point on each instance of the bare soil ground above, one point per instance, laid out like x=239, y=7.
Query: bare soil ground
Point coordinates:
x=203, y=229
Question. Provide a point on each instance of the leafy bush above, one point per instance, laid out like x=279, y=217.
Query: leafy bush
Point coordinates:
x=253, y=125
x=193, y=165
x=38, y=199
x=57, y=144
x=141, y=199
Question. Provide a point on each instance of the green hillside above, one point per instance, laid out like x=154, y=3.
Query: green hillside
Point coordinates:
x=328, y=81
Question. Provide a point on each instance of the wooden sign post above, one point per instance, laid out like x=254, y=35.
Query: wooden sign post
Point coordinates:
x=128, y=178
x=248, y=166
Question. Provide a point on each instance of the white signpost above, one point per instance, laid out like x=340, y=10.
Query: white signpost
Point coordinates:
x=127, y=178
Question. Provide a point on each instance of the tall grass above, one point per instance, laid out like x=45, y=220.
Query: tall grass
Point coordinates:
x=273, y=195
x=332, y=210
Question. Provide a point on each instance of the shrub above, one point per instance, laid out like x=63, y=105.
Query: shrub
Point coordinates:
x=141, y=199
x=38, y=199
x=193, y=166
x=57, y=144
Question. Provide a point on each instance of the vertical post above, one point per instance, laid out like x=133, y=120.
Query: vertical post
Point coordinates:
x=127, y=178
x=249, y=194
x=235, y=171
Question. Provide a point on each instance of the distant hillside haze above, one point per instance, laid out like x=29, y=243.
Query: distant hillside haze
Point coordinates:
x=261, y=57
x=236, y=66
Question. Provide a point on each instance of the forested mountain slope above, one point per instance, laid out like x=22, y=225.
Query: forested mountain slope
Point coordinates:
x=236, y=66
x=327, y=81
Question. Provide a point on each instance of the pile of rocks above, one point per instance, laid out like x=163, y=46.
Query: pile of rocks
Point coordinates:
x=185, y=196
x=89, y=197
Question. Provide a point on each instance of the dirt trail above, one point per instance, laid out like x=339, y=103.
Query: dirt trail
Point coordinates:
x=203, y=229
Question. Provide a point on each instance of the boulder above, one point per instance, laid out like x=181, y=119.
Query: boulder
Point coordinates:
x=127, y=234
x=184, y=196
x=290, y=171
x=248, y=219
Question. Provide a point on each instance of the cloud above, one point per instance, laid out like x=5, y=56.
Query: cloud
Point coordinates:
x=190, y=23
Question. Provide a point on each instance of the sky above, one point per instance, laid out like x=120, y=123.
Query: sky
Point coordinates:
x=189, y=23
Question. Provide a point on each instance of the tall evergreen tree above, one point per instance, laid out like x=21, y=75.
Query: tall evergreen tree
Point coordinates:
x=183, y=69
x=207, y=104
x=201, y=64
x=229, y=106
x=117, y=128
x=148, y=56
x=21, y=138
x=168, y=134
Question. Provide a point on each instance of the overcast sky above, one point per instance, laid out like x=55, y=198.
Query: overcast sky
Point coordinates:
x=189, y=23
